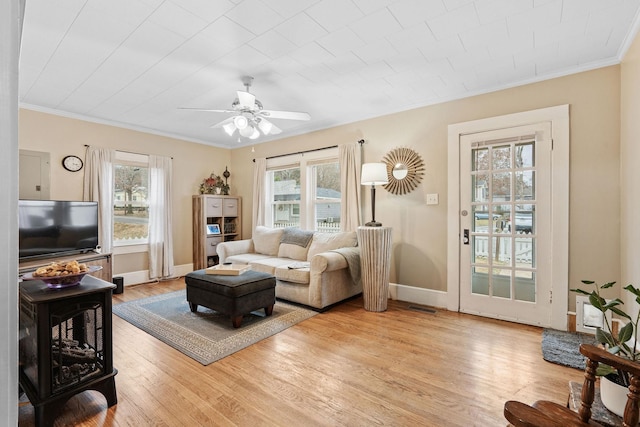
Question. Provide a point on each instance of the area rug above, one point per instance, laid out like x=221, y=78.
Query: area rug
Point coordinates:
x=207, y=335
x=563, y=347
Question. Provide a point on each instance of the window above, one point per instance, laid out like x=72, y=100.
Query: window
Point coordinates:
x=130, y=194
x=304, y=191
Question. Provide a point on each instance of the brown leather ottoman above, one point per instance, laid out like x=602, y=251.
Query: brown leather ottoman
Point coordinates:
x=234, y=296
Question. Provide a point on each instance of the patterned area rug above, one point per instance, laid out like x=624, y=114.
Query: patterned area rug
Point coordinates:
x=207, y=335
x=563, y=348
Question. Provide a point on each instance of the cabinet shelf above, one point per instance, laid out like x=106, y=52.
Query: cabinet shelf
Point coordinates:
x=216, y=219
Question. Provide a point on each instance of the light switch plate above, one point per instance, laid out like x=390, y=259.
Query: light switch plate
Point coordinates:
x=432, y=199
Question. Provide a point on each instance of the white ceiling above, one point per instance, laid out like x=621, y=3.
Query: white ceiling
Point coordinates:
x=134, y=63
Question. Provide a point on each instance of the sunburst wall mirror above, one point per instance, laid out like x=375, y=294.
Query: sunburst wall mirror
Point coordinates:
x=404, y=169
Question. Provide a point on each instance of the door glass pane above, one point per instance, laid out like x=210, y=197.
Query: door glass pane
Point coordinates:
x=525, y=185
x=501, y=186
x=501, y=158
x=480, y=186
x=524, y=250
x=480, y=161
x=525, y=286
x=480, y=218
x=524, y=219
x=502, y=219
x=479, y=281
x=480, y=246
x=501, y=283
x=501, y=251
x=524, y=155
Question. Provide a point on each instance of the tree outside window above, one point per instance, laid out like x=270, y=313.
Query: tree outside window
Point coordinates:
x=130, y=207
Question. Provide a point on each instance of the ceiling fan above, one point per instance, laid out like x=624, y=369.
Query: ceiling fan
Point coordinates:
x=250, y=117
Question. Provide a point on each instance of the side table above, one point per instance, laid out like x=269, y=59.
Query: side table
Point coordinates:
x=375, y=255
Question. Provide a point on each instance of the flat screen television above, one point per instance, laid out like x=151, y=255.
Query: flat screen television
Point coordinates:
x=49, y=228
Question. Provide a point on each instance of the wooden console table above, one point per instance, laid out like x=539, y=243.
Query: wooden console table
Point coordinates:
x=90, y=258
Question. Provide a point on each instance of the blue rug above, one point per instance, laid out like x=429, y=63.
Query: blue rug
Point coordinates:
x=206, y=335
x=563, y=347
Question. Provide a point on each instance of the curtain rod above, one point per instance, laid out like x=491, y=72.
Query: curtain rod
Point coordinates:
x=128, y=152
x=305, y=151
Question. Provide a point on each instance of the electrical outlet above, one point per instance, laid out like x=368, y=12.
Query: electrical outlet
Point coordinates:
x=432, y=199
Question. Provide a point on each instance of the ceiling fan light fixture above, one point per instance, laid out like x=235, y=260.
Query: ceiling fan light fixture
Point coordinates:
x=255, y=134
x=265, y=126
x=240, y=122
x=229, y=128
x=247, y=131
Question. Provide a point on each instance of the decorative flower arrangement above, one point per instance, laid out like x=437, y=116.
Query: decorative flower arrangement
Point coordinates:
x=214, y=185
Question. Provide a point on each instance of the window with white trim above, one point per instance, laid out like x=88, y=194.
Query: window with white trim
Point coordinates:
x=304, y=191
x=130, y=199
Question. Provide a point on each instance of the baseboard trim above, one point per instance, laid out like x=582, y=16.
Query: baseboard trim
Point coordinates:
x=142, y=276
x=428, y=297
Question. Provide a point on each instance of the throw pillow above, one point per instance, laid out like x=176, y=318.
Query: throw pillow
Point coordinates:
x=323, y=242
x=266, y=240
x=287, y=250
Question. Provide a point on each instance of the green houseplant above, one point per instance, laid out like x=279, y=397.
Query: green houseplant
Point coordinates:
x=614, y=384
x=623, y=343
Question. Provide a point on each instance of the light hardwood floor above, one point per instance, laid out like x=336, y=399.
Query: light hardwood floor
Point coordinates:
x=344, y=367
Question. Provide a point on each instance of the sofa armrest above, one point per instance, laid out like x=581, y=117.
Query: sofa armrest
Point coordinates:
x=234, y=247
x=328, y=261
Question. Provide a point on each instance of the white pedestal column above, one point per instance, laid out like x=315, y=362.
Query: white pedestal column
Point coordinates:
x=375, y=256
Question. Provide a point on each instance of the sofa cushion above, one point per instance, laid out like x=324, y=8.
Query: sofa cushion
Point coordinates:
x=323, y=242
x=266, y=240
x=245, y=258
x=268, y=265
x=294, y=275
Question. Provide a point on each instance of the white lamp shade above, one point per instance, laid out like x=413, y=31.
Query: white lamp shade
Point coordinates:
x=255, y=134
x=374, y=174
x=229, y=128
x=265, y=126
x=247, y=131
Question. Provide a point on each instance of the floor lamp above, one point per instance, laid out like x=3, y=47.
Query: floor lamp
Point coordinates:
x=374, y=174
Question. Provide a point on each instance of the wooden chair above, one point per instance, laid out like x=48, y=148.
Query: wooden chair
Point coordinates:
x=549, y=414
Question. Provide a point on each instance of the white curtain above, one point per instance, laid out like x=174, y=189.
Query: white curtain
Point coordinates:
x=160, y=218
x=98, y=187
x=350, y=159
x=259, y=189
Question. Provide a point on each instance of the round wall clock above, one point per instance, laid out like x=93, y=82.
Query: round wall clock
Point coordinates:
x=72, y=163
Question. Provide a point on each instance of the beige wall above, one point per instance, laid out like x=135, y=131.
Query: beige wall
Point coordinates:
x=420, y=246
x=61, y=136
x=419, y=255
x=629, y=166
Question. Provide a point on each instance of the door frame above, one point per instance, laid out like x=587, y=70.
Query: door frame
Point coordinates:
x=559, y=118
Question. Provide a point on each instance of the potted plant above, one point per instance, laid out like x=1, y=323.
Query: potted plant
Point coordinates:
x=624, y=343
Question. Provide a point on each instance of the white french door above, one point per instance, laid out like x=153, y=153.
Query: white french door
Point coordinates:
x=505, y=224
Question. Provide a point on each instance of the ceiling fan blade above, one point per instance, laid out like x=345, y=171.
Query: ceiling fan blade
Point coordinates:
x=290, y=115
x=207, y=109
x=246, y=99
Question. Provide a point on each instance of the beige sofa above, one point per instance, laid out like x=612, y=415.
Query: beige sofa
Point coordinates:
x=311, y=268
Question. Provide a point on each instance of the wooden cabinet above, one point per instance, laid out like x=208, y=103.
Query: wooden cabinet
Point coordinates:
x=102, y=260
x=216, y=219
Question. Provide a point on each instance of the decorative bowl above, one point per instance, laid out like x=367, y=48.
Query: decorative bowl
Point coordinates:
x=59, y=282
